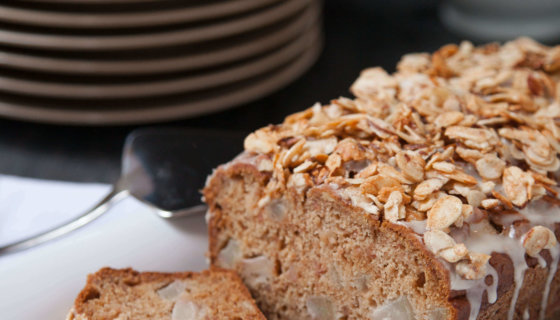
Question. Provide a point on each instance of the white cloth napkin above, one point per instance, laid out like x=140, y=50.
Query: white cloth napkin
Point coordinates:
x=29, y=206
x=42, y=282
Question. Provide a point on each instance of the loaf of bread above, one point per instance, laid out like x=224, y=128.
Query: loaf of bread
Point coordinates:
x=431, y=195
x=130, y=295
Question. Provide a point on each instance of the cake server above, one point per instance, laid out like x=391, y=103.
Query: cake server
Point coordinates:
x=164, y=168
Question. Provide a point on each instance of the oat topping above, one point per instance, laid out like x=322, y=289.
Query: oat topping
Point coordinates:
x=463, y=135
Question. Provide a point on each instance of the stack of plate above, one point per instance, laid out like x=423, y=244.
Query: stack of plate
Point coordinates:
x=134, y=61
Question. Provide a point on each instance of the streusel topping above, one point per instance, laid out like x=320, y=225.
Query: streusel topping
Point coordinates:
x=465, y=137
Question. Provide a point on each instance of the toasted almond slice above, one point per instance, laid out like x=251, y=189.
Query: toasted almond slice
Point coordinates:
x=427, y=187
x=444, y=213
x=321, y=146
x=454, y=253
x=428, y=203
x=537, y=239
x=487, y=187
x=475, y=197
x=389, y=171
x=394, y=210
x=474, y=268
x=373, y=185
x=437, y=240
x=517, y=184
x=490, y=166
x=447, y=119
x=444, y=166
x=411, y=165
x=461, y=176
x=490, y=203
x=469, y=155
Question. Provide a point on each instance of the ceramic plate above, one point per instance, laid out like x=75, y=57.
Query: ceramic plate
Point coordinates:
x=188, y=14
x=214, y=31
x=230, y=52
x=174, y=110
x=162, y=87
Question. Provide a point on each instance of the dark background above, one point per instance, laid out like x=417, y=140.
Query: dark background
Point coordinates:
x=358, y=34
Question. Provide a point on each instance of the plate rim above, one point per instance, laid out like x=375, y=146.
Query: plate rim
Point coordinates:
x=153, y=40
x=49, y=18
x=250, y=47
x=85, y=2
x=170, y=112
x=186, y=84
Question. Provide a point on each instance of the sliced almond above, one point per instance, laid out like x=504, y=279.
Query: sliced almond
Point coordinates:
x=487, y=187
x=444, y=166
x=444, y=246
x=428, y=203
x=373, y=185
x=320, y=146
x=481, y=139
x=475, y=197
x=437, y=240
x=447, y=119
x=537, y=239
x=260, y=141
x=489, y=203
x=517, y=184
x=444, y=213
x=490, y=166
x=411, y=165
x=454, y=253
x=394, y=209
x=474, y=268
x=427, y=187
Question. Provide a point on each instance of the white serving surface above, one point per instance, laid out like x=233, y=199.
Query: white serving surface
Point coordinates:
x=41, y=283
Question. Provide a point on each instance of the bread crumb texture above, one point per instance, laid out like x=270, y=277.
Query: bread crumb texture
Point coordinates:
x=130, y=295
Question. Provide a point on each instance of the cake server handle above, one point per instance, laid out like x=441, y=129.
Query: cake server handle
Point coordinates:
x=114, y=196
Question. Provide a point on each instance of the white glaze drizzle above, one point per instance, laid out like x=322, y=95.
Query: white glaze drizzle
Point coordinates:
x=537, y=213
x=546, y=214
x=555, y=254
x=475, y=289
x=492, y=289
x=542, y=213
x=518, y=277
x=542, y=261
x=480, y=240
x=488, y=243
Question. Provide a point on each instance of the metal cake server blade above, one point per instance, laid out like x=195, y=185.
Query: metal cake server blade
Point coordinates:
x=165, y=168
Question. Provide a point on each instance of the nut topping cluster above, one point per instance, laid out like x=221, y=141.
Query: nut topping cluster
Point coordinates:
x=454, y=138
